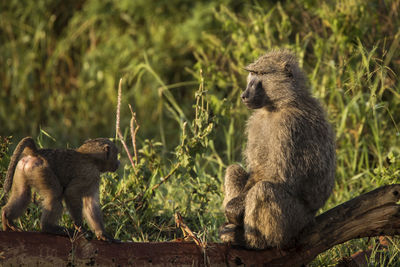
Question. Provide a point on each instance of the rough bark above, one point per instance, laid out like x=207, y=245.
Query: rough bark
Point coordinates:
x=371, y=214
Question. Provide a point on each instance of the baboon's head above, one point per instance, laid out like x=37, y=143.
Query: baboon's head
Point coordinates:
x=103, y=151
x=274, y=79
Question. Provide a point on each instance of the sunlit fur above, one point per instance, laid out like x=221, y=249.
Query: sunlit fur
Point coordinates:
x=290, y=158
x=57, y=175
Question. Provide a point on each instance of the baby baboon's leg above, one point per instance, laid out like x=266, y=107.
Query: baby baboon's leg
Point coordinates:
x=18, y=200
x=49, y=188
x=235, y=180
x=51, y=212
x=73, y=200
x=273, y=216
x=94, y=216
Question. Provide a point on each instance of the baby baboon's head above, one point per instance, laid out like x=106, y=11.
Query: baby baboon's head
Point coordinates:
x=104, y=151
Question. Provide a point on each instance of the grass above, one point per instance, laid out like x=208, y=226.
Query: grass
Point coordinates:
x=182, y=66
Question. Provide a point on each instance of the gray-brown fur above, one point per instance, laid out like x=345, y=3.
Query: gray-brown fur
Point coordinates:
x=290, y=158
x=57, y=175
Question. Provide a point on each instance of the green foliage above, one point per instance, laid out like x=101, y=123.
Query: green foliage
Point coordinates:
x=183, y=66
x=4, y=156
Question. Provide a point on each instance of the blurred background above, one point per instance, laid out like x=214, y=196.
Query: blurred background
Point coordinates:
x=182, y=68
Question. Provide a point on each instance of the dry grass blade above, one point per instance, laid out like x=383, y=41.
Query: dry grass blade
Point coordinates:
x=118, y=107
x=134, y=126
x=118, y=130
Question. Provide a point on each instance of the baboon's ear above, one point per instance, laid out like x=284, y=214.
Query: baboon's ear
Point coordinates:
x=107, y=150
x=288, y=69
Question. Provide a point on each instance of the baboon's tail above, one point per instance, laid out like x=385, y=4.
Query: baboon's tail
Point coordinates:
x=27, y=142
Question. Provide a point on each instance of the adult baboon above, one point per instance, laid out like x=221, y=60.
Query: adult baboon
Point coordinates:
x=290, y=157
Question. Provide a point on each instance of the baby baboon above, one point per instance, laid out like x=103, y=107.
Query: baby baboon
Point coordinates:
x=290, y=156
x=69, y=175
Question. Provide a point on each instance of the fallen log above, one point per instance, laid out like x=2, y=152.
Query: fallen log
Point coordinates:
x=372, y=214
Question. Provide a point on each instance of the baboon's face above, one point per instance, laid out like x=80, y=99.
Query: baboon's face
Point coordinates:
x=111, y=162
x=254, y=96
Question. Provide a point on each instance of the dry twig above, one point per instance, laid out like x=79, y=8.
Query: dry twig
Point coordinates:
x=118, y=130
x=187, y=232
x=165, y=178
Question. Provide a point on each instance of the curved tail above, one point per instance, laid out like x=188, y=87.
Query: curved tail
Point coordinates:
x=27, y=142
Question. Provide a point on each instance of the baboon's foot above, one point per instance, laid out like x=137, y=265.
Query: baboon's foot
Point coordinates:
x=230, y=233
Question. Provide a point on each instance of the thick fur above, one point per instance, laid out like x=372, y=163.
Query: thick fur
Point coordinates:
x=57, y=175
x=290, y=157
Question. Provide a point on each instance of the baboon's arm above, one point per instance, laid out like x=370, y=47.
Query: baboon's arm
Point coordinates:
x=234, y=210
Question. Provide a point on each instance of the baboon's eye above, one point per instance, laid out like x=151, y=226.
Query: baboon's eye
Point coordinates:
x=267, y=72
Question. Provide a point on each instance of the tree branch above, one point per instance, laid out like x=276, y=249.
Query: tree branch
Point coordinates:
x=371, y=214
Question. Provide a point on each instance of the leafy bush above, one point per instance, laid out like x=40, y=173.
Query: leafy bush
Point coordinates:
x=4, y=156
x=62, y=61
